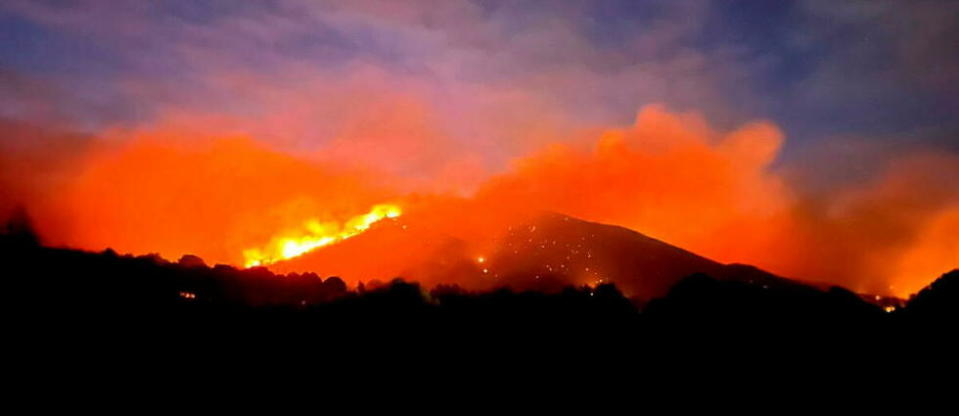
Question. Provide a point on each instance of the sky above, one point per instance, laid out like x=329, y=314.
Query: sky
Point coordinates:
x=441, y=96
x=881, y=69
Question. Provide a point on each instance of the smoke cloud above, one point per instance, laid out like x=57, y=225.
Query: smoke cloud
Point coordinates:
x=670, y=175
x=208, y=128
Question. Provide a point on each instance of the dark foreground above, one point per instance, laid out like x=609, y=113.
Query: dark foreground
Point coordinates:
x=64, y=292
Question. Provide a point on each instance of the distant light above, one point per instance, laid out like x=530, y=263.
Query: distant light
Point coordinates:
x=188, y=295
x=481, y=259
x=889, y=308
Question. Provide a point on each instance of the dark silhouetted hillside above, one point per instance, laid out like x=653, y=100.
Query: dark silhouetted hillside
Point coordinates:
x=937, y=302
x=545, y=254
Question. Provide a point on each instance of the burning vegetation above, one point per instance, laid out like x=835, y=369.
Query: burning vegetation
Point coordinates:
x=315, y=234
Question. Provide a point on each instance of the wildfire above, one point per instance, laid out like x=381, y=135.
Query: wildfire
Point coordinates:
x=316, y=234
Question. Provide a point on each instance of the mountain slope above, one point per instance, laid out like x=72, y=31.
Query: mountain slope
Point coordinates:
x=546, y=252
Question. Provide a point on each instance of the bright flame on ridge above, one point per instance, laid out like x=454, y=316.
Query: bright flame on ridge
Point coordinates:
x=316, y=234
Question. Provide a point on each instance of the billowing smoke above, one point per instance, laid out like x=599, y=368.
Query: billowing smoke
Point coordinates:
x=671, y=176
x=211, y=197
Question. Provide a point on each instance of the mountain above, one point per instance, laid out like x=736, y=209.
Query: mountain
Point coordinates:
x=545, y=252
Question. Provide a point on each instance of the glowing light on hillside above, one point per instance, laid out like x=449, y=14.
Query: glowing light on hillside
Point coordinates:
x=316, y=234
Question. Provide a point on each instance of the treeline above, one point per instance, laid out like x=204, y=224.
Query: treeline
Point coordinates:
x=70, y=287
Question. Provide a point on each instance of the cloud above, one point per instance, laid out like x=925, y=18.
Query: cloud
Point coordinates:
x=670, y=175
x=517, y=101
x=675, y=178
x=213, y=197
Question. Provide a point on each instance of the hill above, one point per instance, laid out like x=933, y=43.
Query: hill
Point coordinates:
x=544, y=253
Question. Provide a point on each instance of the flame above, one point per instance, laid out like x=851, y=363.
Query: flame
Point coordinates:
x=316, y=234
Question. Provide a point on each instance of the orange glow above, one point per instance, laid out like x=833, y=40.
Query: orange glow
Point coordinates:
x=315, y=234
x=213, y=198
x=936, y=250
x=672, y=176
